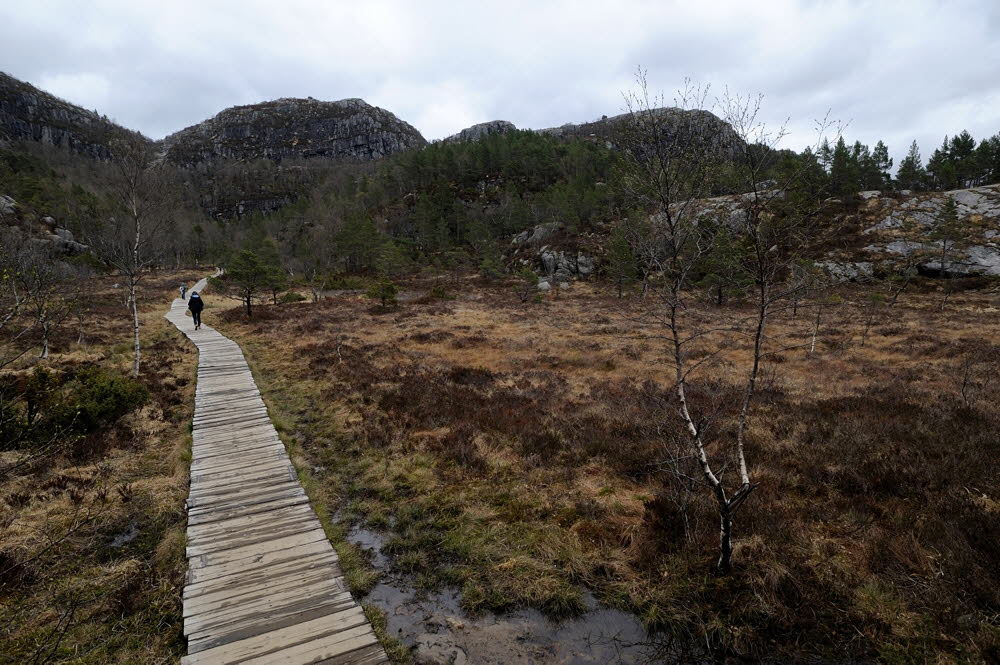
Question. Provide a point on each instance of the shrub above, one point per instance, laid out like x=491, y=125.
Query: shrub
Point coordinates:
x=345, y=283
x=385, y=292
x=291, y=296
x=527, y=284
x=97, y=399
x=490, y=267
x=439, y=293
x=46, y=405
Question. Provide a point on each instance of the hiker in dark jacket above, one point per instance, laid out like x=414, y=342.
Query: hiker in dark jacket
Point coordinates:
x=196, y=304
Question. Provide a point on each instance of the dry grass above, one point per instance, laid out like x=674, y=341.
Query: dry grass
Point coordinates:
x=513, y=450
x=92, y=539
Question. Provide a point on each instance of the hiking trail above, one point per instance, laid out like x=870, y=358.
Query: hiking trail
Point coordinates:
x=263, y=584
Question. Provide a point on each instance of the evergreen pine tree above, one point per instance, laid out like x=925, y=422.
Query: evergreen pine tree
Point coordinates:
x=840, y=169
x=247, y=277
x=390, y=260
x=860, y=167
x=962, y=154
x=881, y=164
x=357, y=241
x=825, y=155
x=991, y=169
x=621, y=260
x=940, y=168
x=911, y=173
x=981, y=162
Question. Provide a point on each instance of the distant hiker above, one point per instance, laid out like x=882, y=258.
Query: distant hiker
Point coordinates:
x=184, y=289
x=196, y=304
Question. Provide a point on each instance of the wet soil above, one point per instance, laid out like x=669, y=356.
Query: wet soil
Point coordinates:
x=434, y=626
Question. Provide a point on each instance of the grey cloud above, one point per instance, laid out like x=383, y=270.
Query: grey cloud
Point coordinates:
x=896, y=71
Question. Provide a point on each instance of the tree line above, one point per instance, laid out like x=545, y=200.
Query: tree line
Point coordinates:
x=958, y=163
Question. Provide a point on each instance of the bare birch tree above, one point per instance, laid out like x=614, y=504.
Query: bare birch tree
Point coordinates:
x=16, y=257
x=673, y=158
x=128, y=240
x=19, y=258
x=49, y=294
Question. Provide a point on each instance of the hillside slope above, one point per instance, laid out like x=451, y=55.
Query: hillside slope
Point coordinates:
x=30, y=114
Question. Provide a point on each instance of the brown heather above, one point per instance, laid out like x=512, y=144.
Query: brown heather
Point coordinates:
x=92, y=540
x=512, y=450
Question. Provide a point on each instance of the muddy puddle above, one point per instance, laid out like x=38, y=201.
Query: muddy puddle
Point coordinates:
x=435, y=627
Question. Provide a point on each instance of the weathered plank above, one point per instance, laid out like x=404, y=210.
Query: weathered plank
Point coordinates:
x=262, y=647
x=263, y=584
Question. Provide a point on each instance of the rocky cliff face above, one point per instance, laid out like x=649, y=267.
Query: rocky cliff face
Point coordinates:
x=293, y=128
x=29, y=114
x=477, y=132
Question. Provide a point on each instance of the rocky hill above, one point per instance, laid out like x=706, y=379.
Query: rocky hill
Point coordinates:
x=476, y=132
x=705, y=123
x=30, y=114
x=349, y=129
x=606, y=127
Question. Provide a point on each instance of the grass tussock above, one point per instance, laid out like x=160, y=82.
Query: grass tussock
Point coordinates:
x=516, y=451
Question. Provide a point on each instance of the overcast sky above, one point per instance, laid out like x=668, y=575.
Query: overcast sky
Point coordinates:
x=894, y=70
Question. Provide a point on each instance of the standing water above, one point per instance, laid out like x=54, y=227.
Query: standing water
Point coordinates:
x=433, y=624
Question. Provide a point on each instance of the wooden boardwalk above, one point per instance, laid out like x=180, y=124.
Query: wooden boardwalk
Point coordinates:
x=263, y=582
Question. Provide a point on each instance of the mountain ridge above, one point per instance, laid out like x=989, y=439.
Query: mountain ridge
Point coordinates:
x=32, y=114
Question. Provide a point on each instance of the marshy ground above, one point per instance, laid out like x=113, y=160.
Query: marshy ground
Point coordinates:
x=515, y=453
x=92, y=533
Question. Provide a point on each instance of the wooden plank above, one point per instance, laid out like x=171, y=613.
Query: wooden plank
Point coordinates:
x=269, y=528
x=242, y=497
x=210, y=447
x=369, y=655
x=209, y=437
x=275, y=458
x=269, y=615
x=249, y=507
x=255, y=445
x=198, y=496
x=263, y=584
x=274, y=641
x=214, y=556
x=295, y=594
x=270, y=523
x=231, y=562
x=222, y=479
x=353, y=640
x=244, y=579
x=267, y=455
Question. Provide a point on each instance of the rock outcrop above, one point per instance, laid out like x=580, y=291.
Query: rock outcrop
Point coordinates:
x=906, y=230
x=543, y=248
x=44, y=232
x=476, y=132
x=30, y=114
x=61, y=240
x=349, y=129
x=8, y=206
